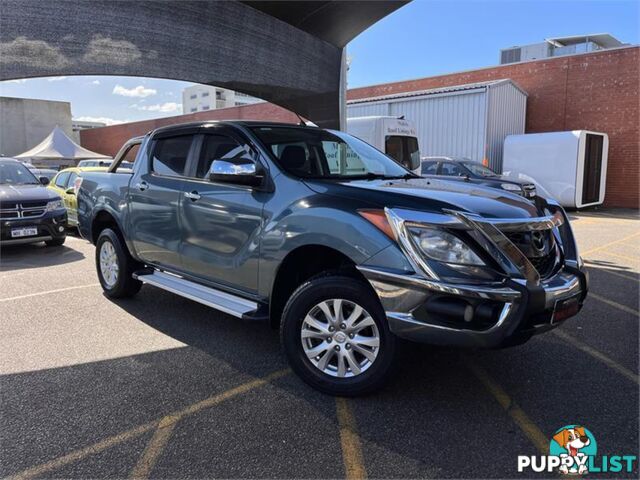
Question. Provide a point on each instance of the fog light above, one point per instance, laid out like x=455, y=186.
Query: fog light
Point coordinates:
x=61, y=228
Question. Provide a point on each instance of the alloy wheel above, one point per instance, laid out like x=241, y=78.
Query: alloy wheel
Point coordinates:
x=340, y=338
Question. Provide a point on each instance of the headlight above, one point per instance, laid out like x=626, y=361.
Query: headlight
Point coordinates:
x=54, y=205
x=510, y=187
x=443, y=247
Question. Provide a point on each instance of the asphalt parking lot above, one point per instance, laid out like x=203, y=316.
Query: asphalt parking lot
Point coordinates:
x=159, y=386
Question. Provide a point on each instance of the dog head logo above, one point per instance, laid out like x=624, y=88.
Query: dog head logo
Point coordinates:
x=573, y=444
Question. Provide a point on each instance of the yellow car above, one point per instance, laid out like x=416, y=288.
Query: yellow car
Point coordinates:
x=64, y=184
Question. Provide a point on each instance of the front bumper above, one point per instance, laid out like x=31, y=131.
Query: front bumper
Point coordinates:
x=515, y=311
x=519, y=302
x=50, y=226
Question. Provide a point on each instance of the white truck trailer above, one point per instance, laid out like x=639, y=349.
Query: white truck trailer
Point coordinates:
x=571, y=166
x=394, y=136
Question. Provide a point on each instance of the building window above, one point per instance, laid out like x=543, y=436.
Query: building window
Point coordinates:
x=205, y=107
x=205, y=94
x=194, y=109
x=193, y=97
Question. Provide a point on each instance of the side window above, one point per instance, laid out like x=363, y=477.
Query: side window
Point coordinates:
x=170, y=155
x=451, y=169
x=61, y=180
x=429, y=168
x=72, y=179
x=217, y=147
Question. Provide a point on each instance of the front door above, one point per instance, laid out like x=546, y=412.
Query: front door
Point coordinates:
x=221, y=222
x=155, y=194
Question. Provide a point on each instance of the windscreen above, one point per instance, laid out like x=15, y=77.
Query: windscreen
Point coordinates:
x=14, y=173
x=316, y=153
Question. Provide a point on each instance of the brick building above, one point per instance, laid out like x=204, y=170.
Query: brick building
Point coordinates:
x=592, y=91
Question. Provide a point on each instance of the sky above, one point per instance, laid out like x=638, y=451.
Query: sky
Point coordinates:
x=423, y=38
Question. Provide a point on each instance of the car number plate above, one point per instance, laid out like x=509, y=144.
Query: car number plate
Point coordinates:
x=565, y=308
x=23, y=232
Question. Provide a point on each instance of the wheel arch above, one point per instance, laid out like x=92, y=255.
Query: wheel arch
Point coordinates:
x=300, y=265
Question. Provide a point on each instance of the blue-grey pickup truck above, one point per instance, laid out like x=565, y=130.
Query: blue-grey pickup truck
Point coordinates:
x=339, y=246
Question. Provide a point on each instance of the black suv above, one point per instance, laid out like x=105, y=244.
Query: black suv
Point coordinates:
x=466, y=170
x=29, y=212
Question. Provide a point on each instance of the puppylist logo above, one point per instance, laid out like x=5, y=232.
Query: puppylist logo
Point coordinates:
x=572, y=451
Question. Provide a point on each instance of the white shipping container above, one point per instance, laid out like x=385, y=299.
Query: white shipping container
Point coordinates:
x=462, y=121
x=571, y=166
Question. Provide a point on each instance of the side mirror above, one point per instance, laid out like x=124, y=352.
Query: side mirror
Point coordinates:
x=44, y=181
x=70, y=191
x=241, y=171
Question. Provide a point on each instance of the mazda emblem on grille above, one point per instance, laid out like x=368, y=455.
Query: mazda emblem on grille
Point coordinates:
x=538, y=241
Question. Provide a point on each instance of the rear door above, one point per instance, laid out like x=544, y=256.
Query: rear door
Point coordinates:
x=221, y=221
x=155, y=194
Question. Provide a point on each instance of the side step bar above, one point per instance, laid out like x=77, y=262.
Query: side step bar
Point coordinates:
x=225, y=302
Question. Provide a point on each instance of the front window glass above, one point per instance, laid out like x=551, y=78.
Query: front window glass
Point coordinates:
x=429, y=168
x=316, y=153
x=16, y=174
x=480, y=169
x=170, y=155
x=217, y=147
x=72, y=179
x=61, y=179
x=451, y=169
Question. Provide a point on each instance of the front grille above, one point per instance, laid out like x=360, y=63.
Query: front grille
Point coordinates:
x=27, y=209
x=539, y=247
x=34, y=204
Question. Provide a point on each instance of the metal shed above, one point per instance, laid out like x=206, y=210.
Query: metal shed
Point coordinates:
x=465, y=120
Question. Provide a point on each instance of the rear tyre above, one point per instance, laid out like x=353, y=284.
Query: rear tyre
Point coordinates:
x=115, y=266
x=55, y=242
x=335, y=335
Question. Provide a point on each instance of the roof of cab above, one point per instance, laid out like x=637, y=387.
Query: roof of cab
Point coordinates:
x=84, y=169
x=232, y=123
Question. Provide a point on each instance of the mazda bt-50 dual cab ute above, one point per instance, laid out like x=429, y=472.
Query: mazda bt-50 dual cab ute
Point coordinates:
x=342, y=248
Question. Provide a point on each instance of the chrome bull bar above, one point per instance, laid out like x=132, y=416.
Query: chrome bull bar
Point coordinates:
x=490, y=235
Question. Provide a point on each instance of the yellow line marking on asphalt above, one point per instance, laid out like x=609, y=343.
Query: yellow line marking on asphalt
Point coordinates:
x=597, y=355
x=620, y=255
x=350, y=441
x=40, y=470
x=617, y=305
x=607, y=245
x=530, y=429
x=154, y=448
x=58, y=290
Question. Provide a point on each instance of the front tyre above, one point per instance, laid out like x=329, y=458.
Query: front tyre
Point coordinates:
x=335, y=335
x=115, y=266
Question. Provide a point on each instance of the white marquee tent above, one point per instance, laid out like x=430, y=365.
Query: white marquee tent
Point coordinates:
x=58, y=150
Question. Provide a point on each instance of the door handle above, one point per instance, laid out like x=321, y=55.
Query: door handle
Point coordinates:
x=192, y=195
x=142, y=186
